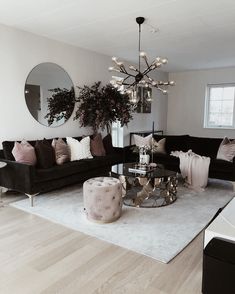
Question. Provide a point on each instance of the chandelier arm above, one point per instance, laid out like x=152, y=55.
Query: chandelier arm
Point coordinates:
x=147, y=70
x=126, y=73
x=146, y=61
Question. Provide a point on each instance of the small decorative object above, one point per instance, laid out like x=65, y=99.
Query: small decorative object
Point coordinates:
x=144, y=158
x=101, y=106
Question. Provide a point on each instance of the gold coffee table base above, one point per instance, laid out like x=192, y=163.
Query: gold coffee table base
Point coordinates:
x=149, y=192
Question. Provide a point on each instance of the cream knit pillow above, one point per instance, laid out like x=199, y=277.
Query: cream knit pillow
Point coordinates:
x=143, y=141
x=226, y=150
x=79, y=149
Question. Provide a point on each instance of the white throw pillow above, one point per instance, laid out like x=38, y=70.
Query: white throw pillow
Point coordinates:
x=143, y=141
x=79, y=149
x=226, y=150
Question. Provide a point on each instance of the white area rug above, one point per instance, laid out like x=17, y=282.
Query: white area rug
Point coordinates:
x=160, y=233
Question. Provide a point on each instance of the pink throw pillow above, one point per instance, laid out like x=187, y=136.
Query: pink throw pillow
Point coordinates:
x=97, y=146
x=24, y=152
x=62, y=153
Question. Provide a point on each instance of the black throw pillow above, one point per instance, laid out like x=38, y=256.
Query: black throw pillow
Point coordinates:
x=45, y=154
x=7, y=149
x=108, y=146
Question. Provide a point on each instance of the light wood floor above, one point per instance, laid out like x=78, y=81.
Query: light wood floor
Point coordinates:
x=38, y=256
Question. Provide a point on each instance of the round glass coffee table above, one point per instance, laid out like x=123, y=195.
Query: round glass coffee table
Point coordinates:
x=154, y=187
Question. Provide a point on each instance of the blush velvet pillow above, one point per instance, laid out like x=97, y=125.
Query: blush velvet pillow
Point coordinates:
x=24, y=152
x=97, y=146
x=61, y=149
x=45, y=154
x=226, y=150
x=79, y=149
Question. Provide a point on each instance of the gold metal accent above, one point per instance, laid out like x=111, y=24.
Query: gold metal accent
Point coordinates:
x=149, y=192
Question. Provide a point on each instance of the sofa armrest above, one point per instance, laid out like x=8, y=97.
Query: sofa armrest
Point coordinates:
x=128, y=152
x=118, y=150
x=17, y=176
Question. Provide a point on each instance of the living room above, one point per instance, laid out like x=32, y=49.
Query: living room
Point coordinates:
x=39, y=253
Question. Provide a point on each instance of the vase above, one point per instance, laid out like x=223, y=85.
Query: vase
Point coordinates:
x=144, y=159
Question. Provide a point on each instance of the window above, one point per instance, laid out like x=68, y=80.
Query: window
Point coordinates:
x=219, y=110
x=117, y=134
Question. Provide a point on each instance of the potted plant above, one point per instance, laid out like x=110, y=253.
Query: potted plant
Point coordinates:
x=100, y=106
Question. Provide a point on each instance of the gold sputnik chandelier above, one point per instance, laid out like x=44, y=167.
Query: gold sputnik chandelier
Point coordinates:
x=131, y=80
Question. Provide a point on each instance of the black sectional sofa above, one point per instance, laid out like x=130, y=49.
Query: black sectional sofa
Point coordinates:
x=219, y=169
x=31, y=180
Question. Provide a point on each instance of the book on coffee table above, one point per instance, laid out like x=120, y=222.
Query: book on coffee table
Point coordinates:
x=141, y=169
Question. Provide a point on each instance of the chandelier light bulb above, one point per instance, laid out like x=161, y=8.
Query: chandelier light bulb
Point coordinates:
x=143, y=54
x=119, y=63
x=164, y=92
x=158, y=59
x=164, y=60
x=111, y=68
x=113, y=82
x=114, y=59
x=172, y=83
x=131, y=67
x=154, y=83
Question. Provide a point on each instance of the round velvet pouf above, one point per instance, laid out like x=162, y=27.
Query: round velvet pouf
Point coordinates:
x=102, y=199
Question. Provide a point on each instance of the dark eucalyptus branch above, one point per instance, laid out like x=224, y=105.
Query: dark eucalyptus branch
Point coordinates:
x=100, y=106
x=60, y=104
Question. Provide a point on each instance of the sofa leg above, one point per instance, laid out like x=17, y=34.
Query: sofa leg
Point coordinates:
x=31, y=198
x=233, y=183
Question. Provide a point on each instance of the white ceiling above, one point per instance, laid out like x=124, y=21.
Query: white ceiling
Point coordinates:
x=194, y=34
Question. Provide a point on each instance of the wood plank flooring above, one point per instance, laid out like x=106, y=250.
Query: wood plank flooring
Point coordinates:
x=38, y=256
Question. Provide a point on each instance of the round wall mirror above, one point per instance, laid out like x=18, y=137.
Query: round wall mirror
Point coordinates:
x=49, y=94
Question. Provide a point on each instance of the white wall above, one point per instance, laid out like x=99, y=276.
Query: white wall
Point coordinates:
x=186, y=102
x=20, y=52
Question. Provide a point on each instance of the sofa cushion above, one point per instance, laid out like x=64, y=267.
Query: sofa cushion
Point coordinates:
x=141, y=141
x=204, y=146
x=79, y=149
x=24, y=153
x=108, y=145
x=76, y=167
x=62, y=153
x=226, y=150
x=7, y=149
x=159, y=147
x=8, y=146
x=97, y=146
x=45, y=153
x=221, y=166
x=174, y=143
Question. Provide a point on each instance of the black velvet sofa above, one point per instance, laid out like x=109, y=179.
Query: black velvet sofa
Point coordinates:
x=219, y=169
x=31, y=180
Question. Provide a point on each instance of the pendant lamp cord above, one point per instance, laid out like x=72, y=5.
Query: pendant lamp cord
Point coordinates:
x=139, y=44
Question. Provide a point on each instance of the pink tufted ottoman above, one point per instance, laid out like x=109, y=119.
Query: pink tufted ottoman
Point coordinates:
x=102, y=199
